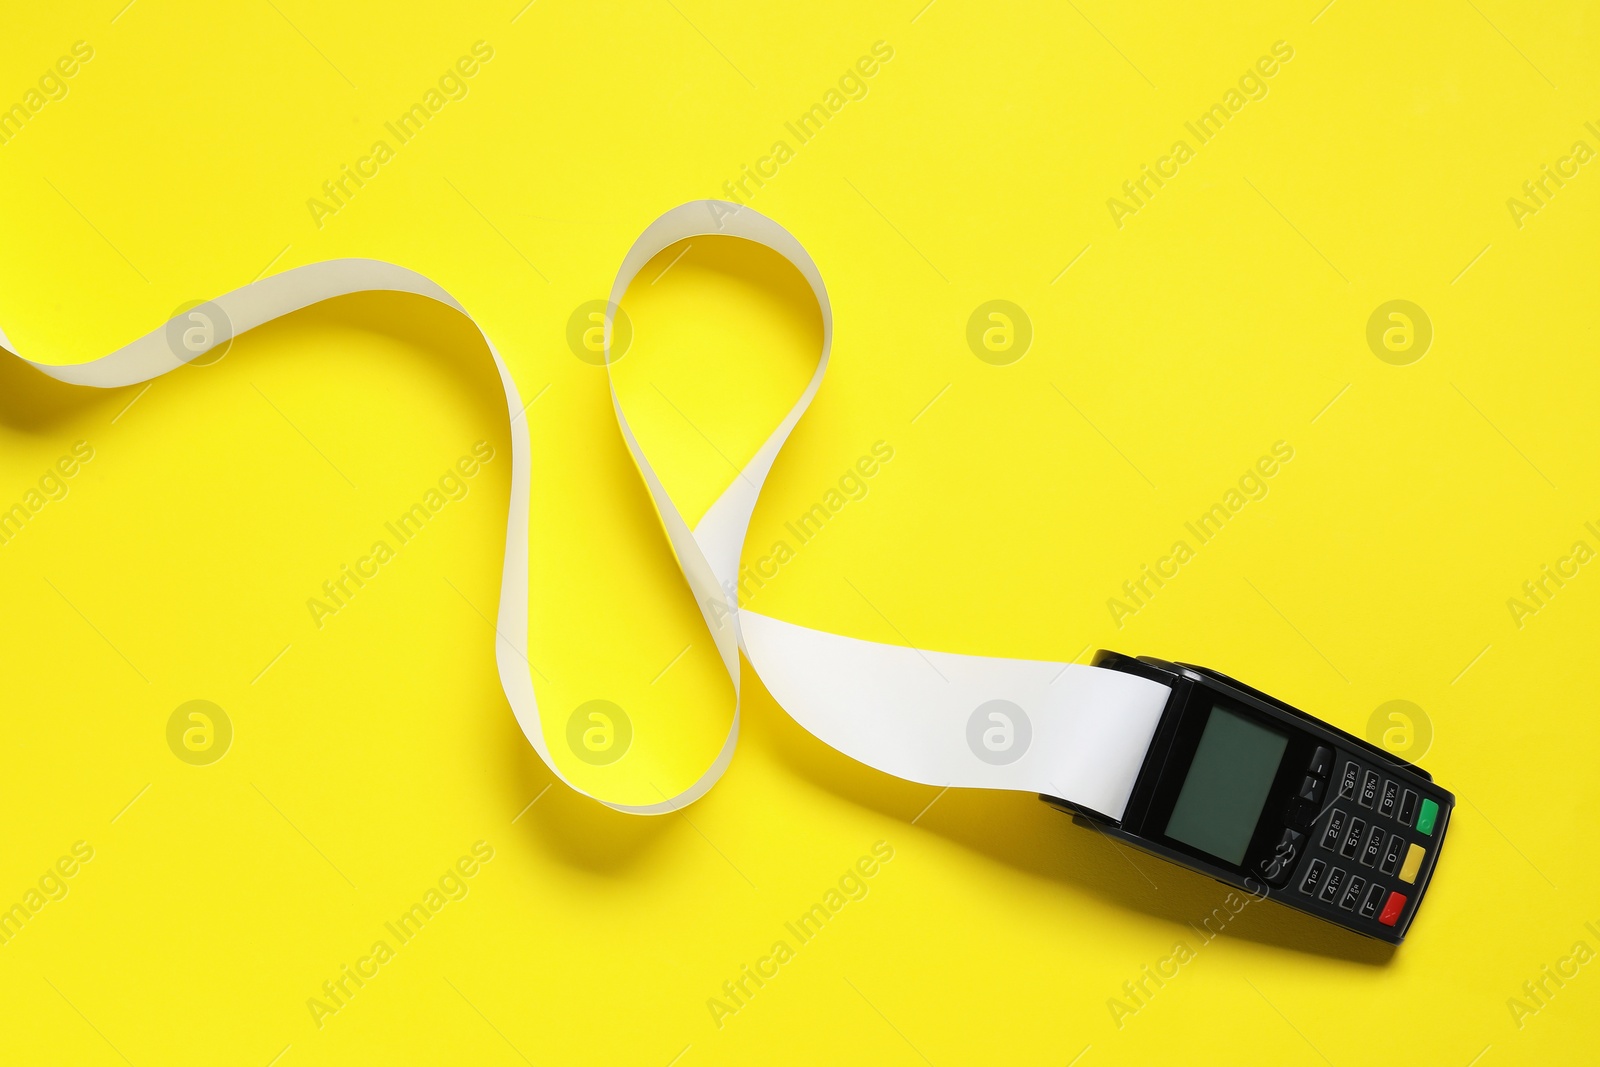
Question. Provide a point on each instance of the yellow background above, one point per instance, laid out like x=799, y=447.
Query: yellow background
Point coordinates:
x=1229, y=313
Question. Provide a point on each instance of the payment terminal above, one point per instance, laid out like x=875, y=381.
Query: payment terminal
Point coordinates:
x=1260, y=795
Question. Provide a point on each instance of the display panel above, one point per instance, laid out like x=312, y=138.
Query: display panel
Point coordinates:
x=1228, y=782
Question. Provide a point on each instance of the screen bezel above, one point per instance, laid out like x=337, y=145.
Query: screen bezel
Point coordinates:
x=1179, y=758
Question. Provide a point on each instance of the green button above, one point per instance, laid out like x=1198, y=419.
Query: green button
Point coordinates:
x=1425, y=817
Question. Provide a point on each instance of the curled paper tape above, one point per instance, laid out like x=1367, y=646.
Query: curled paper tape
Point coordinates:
x=941, y=718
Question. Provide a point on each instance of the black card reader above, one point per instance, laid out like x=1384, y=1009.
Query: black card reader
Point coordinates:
x=1260, y=795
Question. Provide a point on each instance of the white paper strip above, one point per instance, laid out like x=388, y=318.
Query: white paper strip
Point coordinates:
x=1072, y=731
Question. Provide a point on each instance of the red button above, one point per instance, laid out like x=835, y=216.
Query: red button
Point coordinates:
x=1391, y=909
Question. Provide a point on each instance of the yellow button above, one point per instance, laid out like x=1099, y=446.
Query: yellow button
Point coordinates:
x=1413, y=863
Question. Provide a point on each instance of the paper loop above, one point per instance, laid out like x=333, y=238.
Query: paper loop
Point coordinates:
x=942, y=718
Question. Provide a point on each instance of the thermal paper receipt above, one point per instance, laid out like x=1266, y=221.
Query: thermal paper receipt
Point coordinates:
x=941, y=718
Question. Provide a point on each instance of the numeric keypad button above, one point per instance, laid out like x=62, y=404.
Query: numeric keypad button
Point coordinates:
x=1369, y=790
x=1352, y=839
x=1347, y=781
x=1391, y=855
x=1374, y=846
x=1330, y=836
x=1313, y=876
x=1389, y=799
